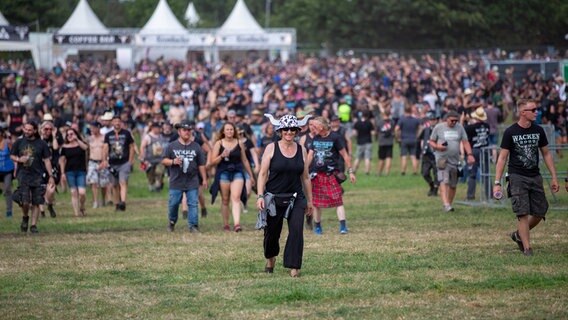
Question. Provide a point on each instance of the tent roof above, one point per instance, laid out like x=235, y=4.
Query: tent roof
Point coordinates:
x=191, y=15
x=4, y=22
x=163, y=21
x=240, y=21
x=83, y=21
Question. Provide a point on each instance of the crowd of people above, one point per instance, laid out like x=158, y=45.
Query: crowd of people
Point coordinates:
x=213, y=127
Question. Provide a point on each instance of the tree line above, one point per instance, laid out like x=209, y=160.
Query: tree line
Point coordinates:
x=392, y=24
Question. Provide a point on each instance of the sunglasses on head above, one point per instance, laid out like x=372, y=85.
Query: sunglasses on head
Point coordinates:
x=531, y=110
x=290, y=129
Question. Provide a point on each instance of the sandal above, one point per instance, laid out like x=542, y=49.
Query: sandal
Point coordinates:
x=294, y=273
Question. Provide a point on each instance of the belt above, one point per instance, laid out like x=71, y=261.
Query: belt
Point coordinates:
x=95, y=161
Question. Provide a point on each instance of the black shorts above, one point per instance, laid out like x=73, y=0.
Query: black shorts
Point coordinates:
x=32, y=195
x=385, y=152
x=527, y=195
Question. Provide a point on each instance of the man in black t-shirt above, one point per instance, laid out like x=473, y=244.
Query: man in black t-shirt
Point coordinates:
x=31, y=154
x=364, y=131
x=118, y=155
x=521, y=142
x=478, y=137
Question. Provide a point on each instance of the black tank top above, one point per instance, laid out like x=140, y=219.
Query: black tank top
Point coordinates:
x=285, y=173
x=234, y=155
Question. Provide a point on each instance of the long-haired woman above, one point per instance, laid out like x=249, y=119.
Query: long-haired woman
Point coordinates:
x=231, y=162
x=73, y=163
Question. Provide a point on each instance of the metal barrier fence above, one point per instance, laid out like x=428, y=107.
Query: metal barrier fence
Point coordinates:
x=486, y=176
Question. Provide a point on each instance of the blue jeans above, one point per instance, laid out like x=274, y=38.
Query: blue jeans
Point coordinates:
x=174, y=201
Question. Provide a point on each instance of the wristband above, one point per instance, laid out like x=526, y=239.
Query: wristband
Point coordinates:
x=350, y=170
x=497, y=182
x=260, y=196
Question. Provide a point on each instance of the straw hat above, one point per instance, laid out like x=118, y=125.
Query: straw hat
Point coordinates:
x=479, y=114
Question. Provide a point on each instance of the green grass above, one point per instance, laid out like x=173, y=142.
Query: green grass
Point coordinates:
x=403, y=259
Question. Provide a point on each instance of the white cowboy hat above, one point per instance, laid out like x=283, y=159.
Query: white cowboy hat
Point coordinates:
x=479, y=114
x=107, y=116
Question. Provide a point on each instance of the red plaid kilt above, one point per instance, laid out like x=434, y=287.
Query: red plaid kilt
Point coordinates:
x=326, y=191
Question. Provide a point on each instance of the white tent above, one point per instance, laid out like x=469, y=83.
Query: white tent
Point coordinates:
x=84, y=34
x=163, y=36
x=83, y=21
x=240, y=21
x=241, y=33
x=11, y=45
x=4, y=22
x=163, y=22
x=191, y=15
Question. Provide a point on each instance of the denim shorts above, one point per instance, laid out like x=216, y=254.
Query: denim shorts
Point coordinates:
x=76, y=179
x=229, y=176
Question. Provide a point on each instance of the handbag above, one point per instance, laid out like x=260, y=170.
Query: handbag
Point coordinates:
x=340, y=176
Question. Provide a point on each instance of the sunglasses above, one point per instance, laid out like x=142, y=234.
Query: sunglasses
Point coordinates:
x=531, y=110
x=453, y=120
x=290, y=129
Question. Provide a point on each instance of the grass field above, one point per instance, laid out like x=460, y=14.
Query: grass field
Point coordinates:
x=403, y=259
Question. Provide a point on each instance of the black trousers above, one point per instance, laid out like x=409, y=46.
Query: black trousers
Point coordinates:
x=294, y=250
x=429, y=171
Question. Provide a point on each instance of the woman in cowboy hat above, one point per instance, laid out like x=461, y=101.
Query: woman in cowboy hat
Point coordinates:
x=284, y=191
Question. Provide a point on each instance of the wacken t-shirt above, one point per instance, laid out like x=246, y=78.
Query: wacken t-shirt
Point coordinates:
x=118, y=146
x=186, y=175
x=326, y=152
x=523, y=145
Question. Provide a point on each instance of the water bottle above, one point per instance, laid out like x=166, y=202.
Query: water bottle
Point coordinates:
x=498, y=195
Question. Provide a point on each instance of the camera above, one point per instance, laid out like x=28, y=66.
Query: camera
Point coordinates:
x=113, y=172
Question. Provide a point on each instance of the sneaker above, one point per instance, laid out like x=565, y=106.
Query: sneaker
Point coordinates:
x=226, y=228
x=171, y=226
x=449, y=208
x=24, y=226
x=343, y=230
x=193, y=229
x=42, y=214
x=95, y=205
x=238, y=228
x=184, y=214
x=52, y=212
x=8, y=214
x=528, y=252
x=123, y=206
x=33, y=229
x=318, y=230
x=515, y=237
x=203, y=212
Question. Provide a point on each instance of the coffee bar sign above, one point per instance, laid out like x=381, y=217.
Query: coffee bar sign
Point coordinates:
x=90, y=39
x=14, y=33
